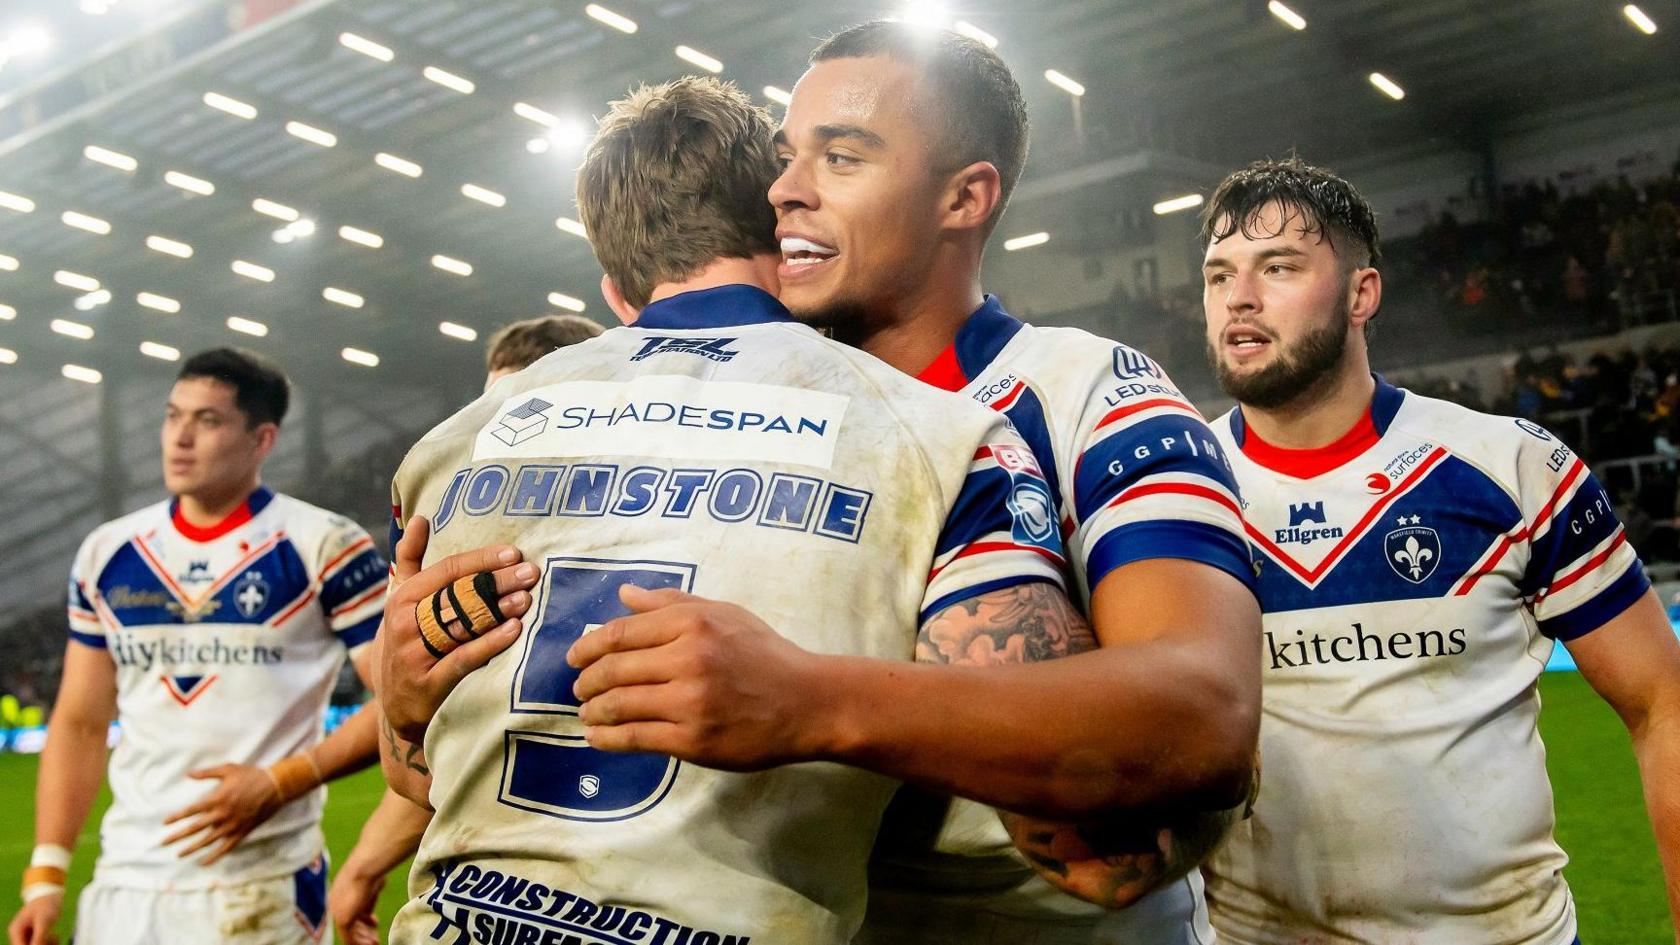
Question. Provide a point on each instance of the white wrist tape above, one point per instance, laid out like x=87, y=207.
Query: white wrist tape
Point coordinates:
x=36, y=890
x=50, y=854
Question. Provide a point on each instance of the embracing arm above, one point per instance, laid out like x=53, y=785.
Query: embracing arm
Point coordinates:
x=1633, y=661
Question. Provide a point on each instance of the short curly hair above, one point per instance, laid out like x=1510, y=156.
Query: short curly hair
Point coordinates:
x=1316, y=198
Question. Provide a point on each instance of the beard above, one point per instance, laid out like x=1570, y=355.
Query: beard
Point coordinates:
x=1295, y=371
x=847, y=321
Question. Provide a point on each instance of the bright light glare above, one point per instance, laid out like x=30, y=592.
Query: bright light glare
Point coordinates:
x=1388, y=86
x=161, y=303
x=1026, y=242
x=1640, y=20
x=924, y=14
x=278, y=211
x=569, y=225
x=16, y=202
x=366, y=47
x=402, y=166
x=694, y=56
x=778, y=95
x=1295, y=20
x=109, y=158
x=483, y=195
x=532, y=113
x=169, y=247
x=25, y=41
x=71, y=329
x=82, y=221
x=246, y=326
x=8, y=263
x=537, y=145
x=311, y=134
x=615, y=20
x=1064, y=83
x=152, y=349
x=975, y=33
x=86, y=375
x=251, y=270
x=189, y=183
x=567, y=302
x=449, y=80
x=358, y=356
x=342, y=297
x=91, y=301
x=7, y=313
x=1178, y=203
x=364, y=237
x=461, y=332
x=460, y=267
x=232, y=106
x=8, y=356
x=75, y=280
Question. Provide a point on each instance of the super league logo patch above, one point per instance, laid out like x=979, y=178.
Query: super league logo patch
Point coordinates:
x=1412, y=550
x=1030, y=503
x=522, y=422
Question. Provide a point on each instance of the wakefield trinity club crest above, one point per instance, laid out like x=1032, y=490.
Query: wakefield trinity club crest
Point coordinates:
x=1412, y=550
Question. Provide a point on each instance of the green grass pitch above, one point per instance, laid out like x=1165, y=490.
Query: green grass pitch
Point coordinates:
x=1601, y=822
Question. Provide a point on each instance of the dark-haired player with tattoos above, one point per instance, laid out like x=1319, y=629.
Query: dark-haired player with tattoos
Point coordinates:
x=1420, y=562
x=899, y=151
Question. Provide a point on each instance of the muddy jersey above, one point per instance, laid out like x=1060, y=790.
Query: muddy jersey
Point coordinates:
x=719, y=447
x=1415, y=578
x=1135, y=474
x=227, y=642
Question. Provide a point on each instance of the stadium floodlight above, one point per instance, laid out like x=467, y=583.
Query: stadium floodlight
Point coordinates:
x=1387, y=86
x=534, y=114
x=1063, y=82
x=459, y=267
x=1176, y=204
x=278, y=211
x=8, y=263
x=449, y=80
x=311, y=134
x=169, y=247
x=16, y=202
x=110, y=158
x=358, y=356
x=302, y=226
x=75, y=280
x=570, y=136
x=924, y=14
x=567, y=302
x=70, y=329
x=401, y=166
x=28, y=40
x=342, y=297
x=189, y=183
x=1294, y=20
x=246, y=326
x=86, y=375
x=617, y=21
x=1026, y=242
x=7, y=313
x=91, y=301
x=160, y=303
x=569, y=225
x=232, y=106
x=778, y=95
x=8, y=356
x=483, y=195
x=975, y=33
x=366, y=47
x=152, y=349
x=461, y=332
x=695, y=57
x=82, y=221
x=362, y=237
x=251, y=270
x=1640, y=20
x=537, y=145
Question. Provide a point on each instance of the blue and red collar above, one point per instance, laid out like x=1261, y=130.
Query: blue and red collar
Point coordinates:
x=1305, y=464
x=978, y=343
x=725, y=306
x=247, y=510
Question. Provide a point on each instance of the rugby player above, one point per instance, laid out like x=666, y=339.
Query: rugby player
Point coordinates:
x=1420, y=562
x=515, y=347
x=212, y=627
x=716, y=445
x=899, y=153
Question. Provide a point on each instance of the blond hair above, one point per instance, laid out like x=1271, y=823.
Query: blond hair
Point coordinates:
x=678, y=175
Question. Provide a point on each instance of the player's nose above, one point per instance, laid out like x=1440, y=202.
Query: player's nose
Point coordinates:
x=1242, y=294
x=792, y=190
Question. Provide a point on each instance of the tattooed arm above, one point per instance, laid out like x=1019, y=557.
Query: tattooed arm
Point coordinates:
x=404, y=764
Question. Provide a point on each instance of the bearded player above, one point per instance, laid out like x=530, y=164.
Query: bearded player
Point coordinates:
x=899, y=152
x=212, y=628
x=1421, y=561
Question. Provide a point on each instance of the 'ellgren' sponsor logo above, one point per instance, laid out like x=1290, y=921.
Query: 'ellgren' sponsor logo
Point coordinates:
x=1300, y=515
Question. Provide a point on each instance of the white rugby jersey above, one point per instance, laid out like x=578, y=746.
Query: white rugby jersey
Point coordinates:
x=1136, y=474
x=720, y=447
x=227, y=641
x=1415, y=578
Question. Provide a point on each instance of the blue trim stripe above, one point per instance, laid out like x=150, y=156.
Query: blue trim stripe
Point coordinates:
x=981, y=509
x=1603, y=607
x=1560, y=546
x=358, y=634
x=975, y=590
x=95, y=640
x=1385, y=403
x=725, y=306
x=1190, y=541
x=354, y=578
x=983, y=336
x=1194, y=451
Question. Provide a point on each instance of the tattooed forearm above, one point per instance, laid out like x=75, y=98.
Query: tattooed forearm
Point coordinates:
x=1022, y=624
x=405, y=753
x=1114, y=864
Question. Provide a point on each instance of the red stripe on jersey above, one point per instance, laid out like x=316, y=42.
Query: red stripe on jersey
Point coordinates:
x=363, y=542
x=1505, y=545
x=1593, y=564
x=1008, y=400
x=292, y=610
x=1121, y=413
x=1175, y=488
x=982, y=547
x=1521, y=534
x=352, y=605
x=984, y=452
x=1550, y=508
x=1307, y=463
x=944, y=373
x=191, y=532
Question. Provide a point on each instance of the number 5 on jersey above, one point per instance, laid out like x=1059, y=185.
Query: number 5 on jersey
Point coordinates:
x=559, y=774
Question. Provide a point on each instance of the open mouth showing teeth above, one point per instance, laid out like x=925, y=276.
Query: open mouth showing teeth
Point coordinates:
x=797, y=251
x=1244, y=341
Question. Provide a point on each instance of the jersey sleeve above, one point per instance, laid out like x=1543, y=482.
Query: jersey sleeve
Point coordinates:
x=352, y=581
x=1000, y=531
x=85, y=625
x=1581, y=571
x=1150, y=480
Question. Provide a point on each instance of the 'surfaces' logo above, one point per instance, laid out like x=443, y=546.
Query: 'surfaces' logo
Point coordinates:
x=522, y=422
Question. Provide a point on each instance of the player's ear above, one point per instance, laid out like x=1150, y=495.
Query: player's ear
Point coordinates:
x=971, y=195
x=267, y=433
x=626, y=312
x=1364, y=295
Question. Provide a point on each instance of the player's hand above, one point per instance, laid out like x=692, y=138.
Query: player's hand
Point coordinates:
x=698, y=679
x=351, y=901
x=245, y=797
x=33, y=925
x=413, y=683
